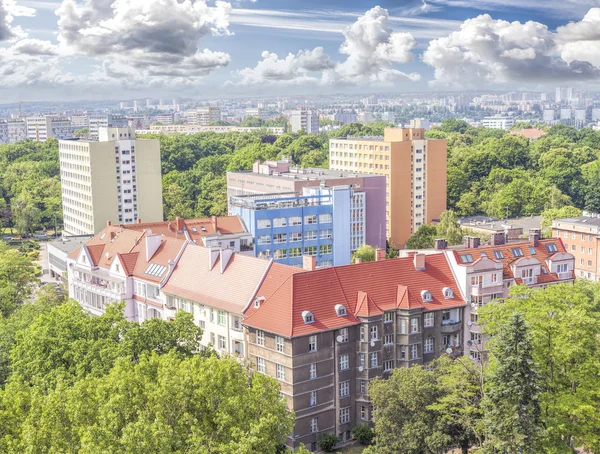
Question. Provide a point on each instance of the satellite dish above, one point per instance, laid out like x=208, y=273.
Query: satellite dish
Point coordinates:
x=449, y=351
x=339, y=339
x=372, y=343
x=469, y=343
x=469, y=323
x=360, y=368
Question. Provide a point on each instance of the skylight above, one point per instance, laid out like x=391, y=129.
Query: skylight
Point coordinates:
x=466, y=258
x=551, y=247
x=532, y=250
x=498, y=254
x=517, y=252
x=194, y=229
x=155, y=269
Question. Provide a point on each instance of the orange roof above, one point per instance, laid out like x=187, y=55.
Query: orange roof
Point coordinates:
x=530, y=133
x=508, y=258
x=365, y=289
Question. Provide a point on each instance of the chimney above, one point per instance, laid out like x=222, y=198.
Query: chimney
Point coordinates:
x=309, y=262
x=497, y=239
x=534, y=236
x=108, y=223
x=213, y=219
x=357, y=260
x=419, y=261
x=152, y=244
x=138, y=221
x=180, y=223
x=213, y=255
x=440, y=244
x=379, y=255
x=475, y=241
x=226, y=255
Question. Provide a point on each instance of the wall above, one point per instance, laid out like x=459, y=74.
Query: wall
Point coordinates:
x=149, y=180
x=104, y=184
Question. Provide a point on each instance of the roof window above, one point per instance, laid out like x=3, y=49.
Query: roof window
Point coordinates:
x=426, y=296
x=498, y=254
x=466, y=258
x=551, y=247
x=340, y=310
x=532, y=250
x=517, y=252
x=448, y=293
x=308, y=317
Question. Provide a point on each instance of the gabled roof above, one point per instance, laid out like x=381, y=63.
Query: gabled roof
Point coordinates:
x=365, y=289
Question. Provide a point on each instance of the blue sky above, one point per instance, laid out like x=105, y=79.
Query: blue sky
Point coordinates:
x=57, y=49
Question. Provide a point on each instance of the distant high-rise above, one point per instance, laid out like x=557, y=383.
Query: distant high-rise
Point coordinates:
x=44, y=127
x=306, y=119
x=564, y=94
x=595, y=114
x=549, y=115
x=148, y=102
x=205, y=116
x=566, y=114
x=135, y=106
x=580, y=114
x=4, y=132
x=106, y=121
x=17, y=130
x=116, y=178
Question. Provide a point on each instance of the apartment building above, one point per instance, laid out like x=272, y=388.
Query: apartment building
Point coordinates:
x=194, y=128
x=96, y=122
x=548, y=115
x=367, y=320
x=581, y=237
x=17, y=130
x=205, y=116
x=498, y=122
x=44, y=127
x=165, y=118
x=277, y=177
x=4, y=132
x=257, y=112
x=116, y=178
x=305, y=119
x=326, y=223
x=415, y=172
x=484, y=274
x=79, y=121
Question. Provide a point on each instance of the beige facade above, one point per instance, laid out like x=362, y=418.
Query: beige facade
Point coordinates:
x=415, y=171
x=117, y=179
x=581, y=237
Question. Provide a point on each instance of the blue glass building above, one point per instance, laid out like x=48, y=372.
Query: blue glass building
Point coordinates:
x=288, y=226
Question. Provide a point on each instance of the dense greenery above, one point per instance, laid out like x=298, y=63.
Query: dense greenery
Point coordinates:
x=537, y=393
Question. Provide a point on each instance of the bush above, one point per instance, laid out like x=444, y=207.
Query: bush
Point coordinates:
x=363, y=433
x=327, y=442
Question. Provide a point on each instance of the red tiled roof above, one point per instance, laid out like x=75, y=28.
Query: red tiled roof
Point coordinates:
x=129, y=260
x=366, y=288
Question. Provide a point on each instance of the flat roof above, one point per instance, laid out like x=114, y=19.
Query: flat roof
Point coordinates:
x=308, y=174
x=580, y=220
x=70, y=243
x=487, y=223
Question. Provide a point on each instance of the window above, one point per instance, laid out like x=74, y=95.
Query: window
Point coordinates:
x=362, y=333
x=222, y=343
x=531, y=250
x=311, y=219
x=264, y=223
x=325, y=218
x=280, y=254
x=314, y=426
x=414, y=325
x=308, y=317
x=325, y=249
x=344, y=389
x=373, y=331
x=476, y=338
x=363, y=386
x=562, y=268
x=466, y=258
x=212, y=315
x=221, y=318
x=498, y=255
x=388, y=339
x=428, y=320
x=590, y=250
x=295, y=236
x=448, y=293
x=402, y=326
x=517, y=252
x=340, y=310
x=264, y=239
x=312, y=343
x=344, y=334
x=279, y=222
x=344, y=415
x=310, y=250
x=212, y=338
x=552, y=247
x=363, y=413
x=260, y=338
x=295, y=252
x=279, y=238
x=388, y=365
x=310, y=235
x=280, y=372
x=279, y=343
x=426, y=295
x=414, y=351
x=428, y=345
x=325, y=234
x=295, y=220
x=260, y=365
x=344, y=362
x=374, y=359
x=388, y=317
x=313, y=371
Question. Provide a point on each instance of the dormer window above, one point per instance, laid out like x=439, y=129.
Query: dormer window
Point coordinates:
x=308, y=317
x=426, y=296
x=551, y=247
x=340, y=310
x=258, y=300
x=448, y=293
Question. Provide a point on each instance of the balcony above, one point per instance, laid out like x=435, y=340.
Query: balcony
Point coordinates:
x=529, y=280
x=451, y=326
x=486, y=288
x=565, y=276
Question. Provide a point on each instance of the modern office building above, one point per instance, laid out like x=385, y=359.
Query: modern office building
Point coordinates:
x=44, y=127
x=325, y=334
x=323, y=222
x=116, y=178
x=498, y=122
x=274, y=177
x=415, y=172
x=305, y=119
x=581, y=237
x=106, y=121
x=206, y=116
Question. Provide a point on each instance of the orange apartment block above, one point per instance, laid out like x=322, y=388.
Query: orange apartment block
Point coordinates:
x=415, y=171
x=581, y=236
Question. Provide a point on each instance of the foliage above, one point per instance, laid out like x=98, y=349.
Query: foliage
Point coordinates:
x=449, y=229
x=363, y=433
x=366, y=253
x=423, y=238
x=327, y=441
x=557, y=213
x=512, y=400
x=17, y=279
x=391, y=251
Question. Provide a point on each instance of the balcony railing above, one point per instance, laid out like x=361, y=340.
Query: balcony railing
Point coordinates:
x=566, y=275
x=529, y=280
x=486, y=288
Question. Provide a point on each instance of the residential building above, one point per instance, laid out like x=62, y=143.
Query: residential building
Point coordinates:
x=257, y=112
x=58, y=252
x=343, y=117
x=326, y=223
x=165, y=118
x=325, y=334
x=106, y=121
x=206, y=116
x=116, y=178
x=80, y=121
x=419, y=123
x=138, y=122
x=17, y=130
x=596, y=114
x=44, y=127
x=4, y=132
x=193, y=129
x=581, y=237
x=415, y=172
x=580, y=114
x=548, y=115
x=498, y=122
x=484, y=274
x=305, y=119
x=276, y=177
x=566, y=114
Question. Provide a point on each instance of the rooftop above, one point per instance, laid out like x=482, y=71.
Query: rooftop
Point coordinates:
x=493, y=224
x=306, y=174
x=70, y=243
x=585, y=221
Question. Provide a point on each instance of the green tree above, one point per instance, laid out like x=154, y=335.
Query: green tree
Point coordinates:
x=449, y=228
x=366, y=253
x=512, y=401
x=26, y=214
x=17, y=279
x=557, y=213
x=423, y=238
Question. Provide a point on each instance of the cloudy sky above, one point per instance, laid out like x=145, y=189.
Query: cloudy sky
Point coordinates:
x=121, y=49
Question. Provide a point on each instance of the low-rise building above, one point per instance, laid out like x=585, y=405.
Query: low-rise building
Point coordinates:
x=581, y=237
x=498, y=122
x=4, y=132
x=58, y=252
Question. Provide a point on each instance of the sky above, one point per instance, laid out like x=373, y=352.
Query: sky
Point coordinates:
x=125, y=49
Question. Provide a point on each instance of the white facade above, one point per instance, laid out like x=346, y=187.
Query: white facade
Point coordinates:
x=343, y=117
x=419, y=123
x=205, y=116
x=44, y=127
x=106, y=121
x=257, y=112
x=580, y=114
x=79, y=121
x=549, y=115
x=566, y=114
x=595, y=114
x=305, y=119
x=498, y=122
x=165, y=119
x=3, y=132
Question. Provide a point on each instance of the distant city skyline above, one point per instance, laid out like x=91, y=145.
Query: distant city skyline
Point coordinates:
x=53, y=50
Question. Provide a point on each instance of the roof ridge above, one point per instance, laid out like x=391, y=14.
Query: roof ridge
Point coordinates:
x=337, y=277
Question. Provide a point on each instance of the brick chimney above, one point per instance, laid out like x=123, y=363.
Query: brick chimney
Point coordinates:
x=309, y=262
x=379, y=255
x=534, y=236
x=497, y=239
x=357, y=260
x=138, y=221
x=180, y=222
x=419, y=261
x=108, y=223
x=214, y=222
x=440, y=244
